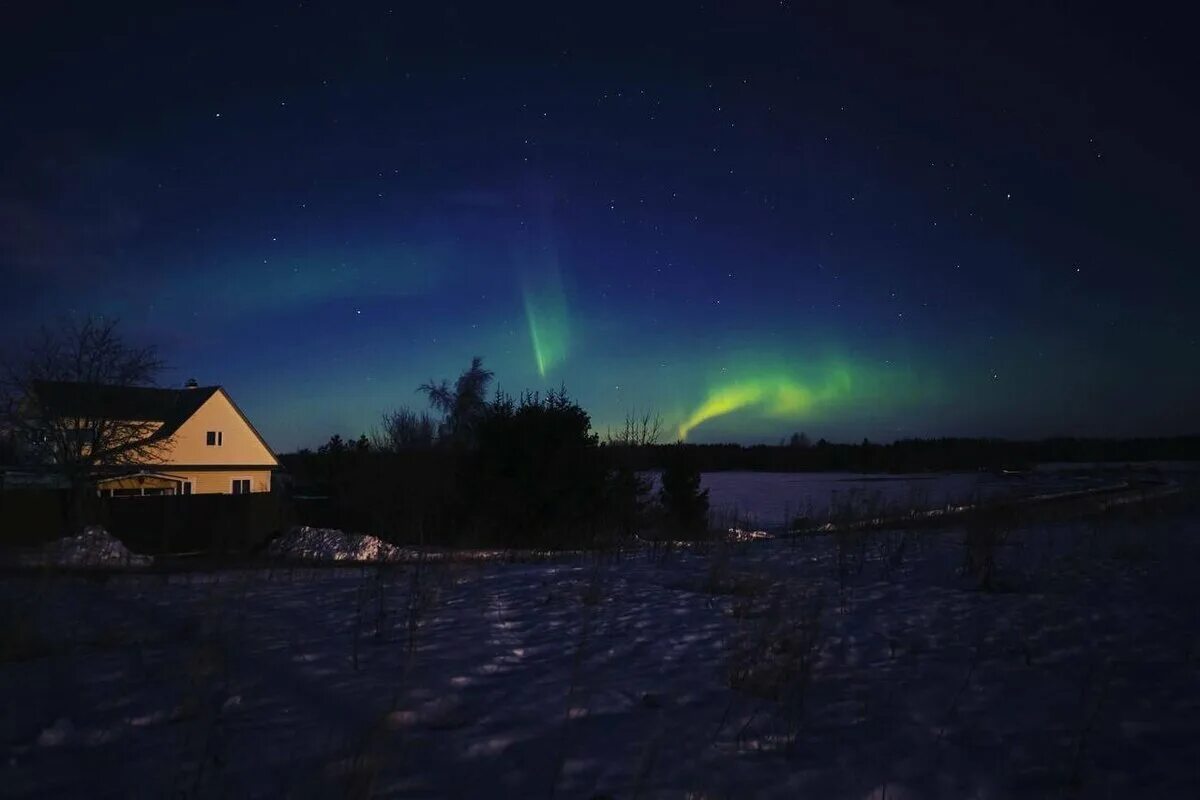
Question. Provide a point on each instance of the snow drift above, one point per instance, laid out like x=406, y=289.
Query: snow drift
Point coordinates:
x=329, y=544
x=95, y=547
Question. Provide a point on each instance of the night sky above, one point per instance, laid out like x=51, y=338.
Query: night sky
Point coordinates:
x=860, y=220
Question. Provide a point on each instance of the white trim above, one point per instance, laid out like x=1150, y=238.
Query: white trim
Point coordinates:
x=140, y=474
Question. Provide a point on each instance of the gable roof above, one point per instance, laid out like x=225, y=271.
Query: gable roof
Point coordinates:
x=171, y=407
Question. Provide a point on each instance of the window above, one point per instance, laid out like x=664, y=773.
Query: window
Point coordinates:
x=186, y=487
x=213, y=439
x=241, y=486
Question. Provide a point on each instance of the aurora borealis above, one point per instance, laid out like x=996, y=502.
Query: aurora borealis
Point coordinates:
x=548, y=330
x=863, y=222
x=775, y=395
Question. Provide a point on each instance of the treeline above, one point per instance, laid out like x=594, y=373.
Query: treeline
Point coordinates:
x=918, y=455
x=494, y=472
x=480, y=470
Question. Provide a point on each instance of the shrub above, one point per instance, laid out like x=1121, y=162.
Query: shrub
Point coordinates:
x=987, y=530
x=537, y=476
x=774, y=658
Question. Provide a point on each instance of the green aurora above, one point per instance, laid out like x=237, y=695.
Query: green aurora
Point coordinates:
x=549, y=328
x=807, y=392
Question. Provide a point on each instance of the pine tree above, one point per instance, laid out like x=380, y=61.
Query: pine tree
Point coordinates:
x=685, y=504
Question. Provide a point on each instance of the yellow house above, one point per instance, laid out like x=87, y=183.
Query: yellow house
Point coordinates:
x=201, y=441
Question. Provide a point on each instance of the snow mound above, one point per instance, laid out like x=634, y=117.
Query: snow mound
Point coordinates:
x=741, y=535
x=95, y=547
x=57, y=734
x=329, y=544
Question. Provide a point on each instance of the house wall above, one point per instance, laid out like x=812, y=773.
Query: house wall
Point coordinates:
x=221, y=481
x=239, y=444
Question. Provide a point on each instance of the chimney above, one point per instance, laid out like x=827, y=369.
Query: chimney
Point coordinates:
x=190, y=384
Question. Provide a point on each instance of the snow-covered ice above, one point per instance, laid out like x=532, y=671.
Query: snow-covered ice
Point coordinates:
x=772, y=499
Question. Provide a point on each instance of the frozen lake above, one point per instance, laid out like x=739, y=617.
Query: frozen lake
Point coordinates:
x=768, y=499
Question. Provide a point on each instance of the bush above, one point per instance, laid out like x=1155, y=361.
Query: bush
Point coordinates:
x=502, y=473
x=537, y=476
x=986, y=532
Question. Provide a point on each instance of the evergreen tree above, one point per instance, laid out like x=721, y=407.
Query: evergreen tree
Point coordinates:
x=684, y=503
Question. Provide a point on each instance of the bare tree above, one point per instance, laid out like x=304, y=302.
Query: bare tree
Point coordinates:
x=463, y=404
x=630, y=490
x=57, y=402
x=405, y=429
x=638, y=430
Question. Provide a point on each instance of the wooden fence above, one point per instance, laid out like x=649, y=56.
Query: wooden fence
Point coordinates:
x=212, y=524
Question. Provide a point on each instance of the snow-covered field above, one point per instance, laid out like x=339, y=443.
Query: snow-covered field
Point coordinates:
x=760, y=671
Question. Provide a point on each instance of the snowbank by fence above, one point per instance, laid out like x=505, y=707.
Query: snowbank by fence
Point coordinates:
x=95, y=547
x=327, y=544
